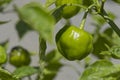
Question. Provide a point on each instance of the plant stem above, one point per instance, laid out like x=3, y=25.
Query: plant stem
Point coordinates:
x=110, y=22
x=102, y=5
x=83, y=20
x=42, y=50
x=85, y=16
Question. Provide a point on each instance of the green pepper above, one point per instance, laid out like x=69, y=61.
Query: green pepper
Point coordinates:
x=19, y=57
x=74, y=43
x=68, y=11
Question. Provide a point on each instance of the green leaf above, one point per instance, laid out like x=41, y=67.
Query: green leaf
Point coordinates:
x=117, y=1
x=22, y=28
x=115, y=39
x=108, y=32
x=101, y=70
x=100, y=45
x=112, y=15
x=53, y=56
x=5, y=44
x=51, y=70
x=57, y=13
x=24, y=71
x=115, y=52
x=3, y=22
x=52, y=65
x=39, y=19
x=87, y=3
x=100, y=21
x=107, y=54
x=87, y=61
x=4, y=2
x=3, y=55
x=49, y=2
x=5, y=75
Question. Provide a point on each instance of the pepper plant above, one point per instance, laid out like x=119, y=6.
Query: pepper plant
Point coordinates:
x=72, y=42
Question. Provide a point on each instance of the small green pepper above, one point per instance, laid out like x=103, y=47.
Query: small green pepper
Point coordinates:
x=68, y=11
x=19, y=57
x=74, y=43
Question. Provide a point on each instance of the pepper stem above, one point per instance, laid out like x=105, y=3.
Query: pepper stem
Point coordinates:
x=42, y=50
x=83, y=20
x=85, y=16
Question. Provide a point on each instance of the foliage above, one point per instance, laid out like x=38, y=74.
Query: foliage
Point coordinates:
x=42, y=19
x=101, y=70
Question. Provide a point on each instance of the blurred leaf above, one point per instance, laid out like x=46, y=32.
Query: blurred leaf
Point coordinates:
x=4, y=2
x=117, y=1
x=101, y=70
x=57, y=13
x=1, y=8
x=5, y=44
x=106, y=53
x=115, y=39
x=102, y=42
x=100, y=45
x=49, y=2
x=115, y=52
x=87, y=3
x=24, y=71
x=39, y=19
x=100, y=21
x=3, y=55
x=3, y=22
x=52, y=65
x=53, y=56
x=111, y=15
x=22, y=28
x=51, y=70
x=5, y=75
x=3, y=5
x=108, y=32
x=87, y=61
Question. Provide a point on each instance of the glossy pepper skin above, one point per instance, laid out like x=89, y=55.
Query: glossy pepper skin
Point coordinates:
x=68, y=11
x=19, y=57
x=74, y=43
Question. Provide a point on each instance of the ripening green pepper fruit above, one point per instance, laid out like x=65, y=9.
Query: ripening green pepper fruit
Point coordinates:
x=19, y=57
x=3, y=55
x=74, y=43
x=68, y=11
